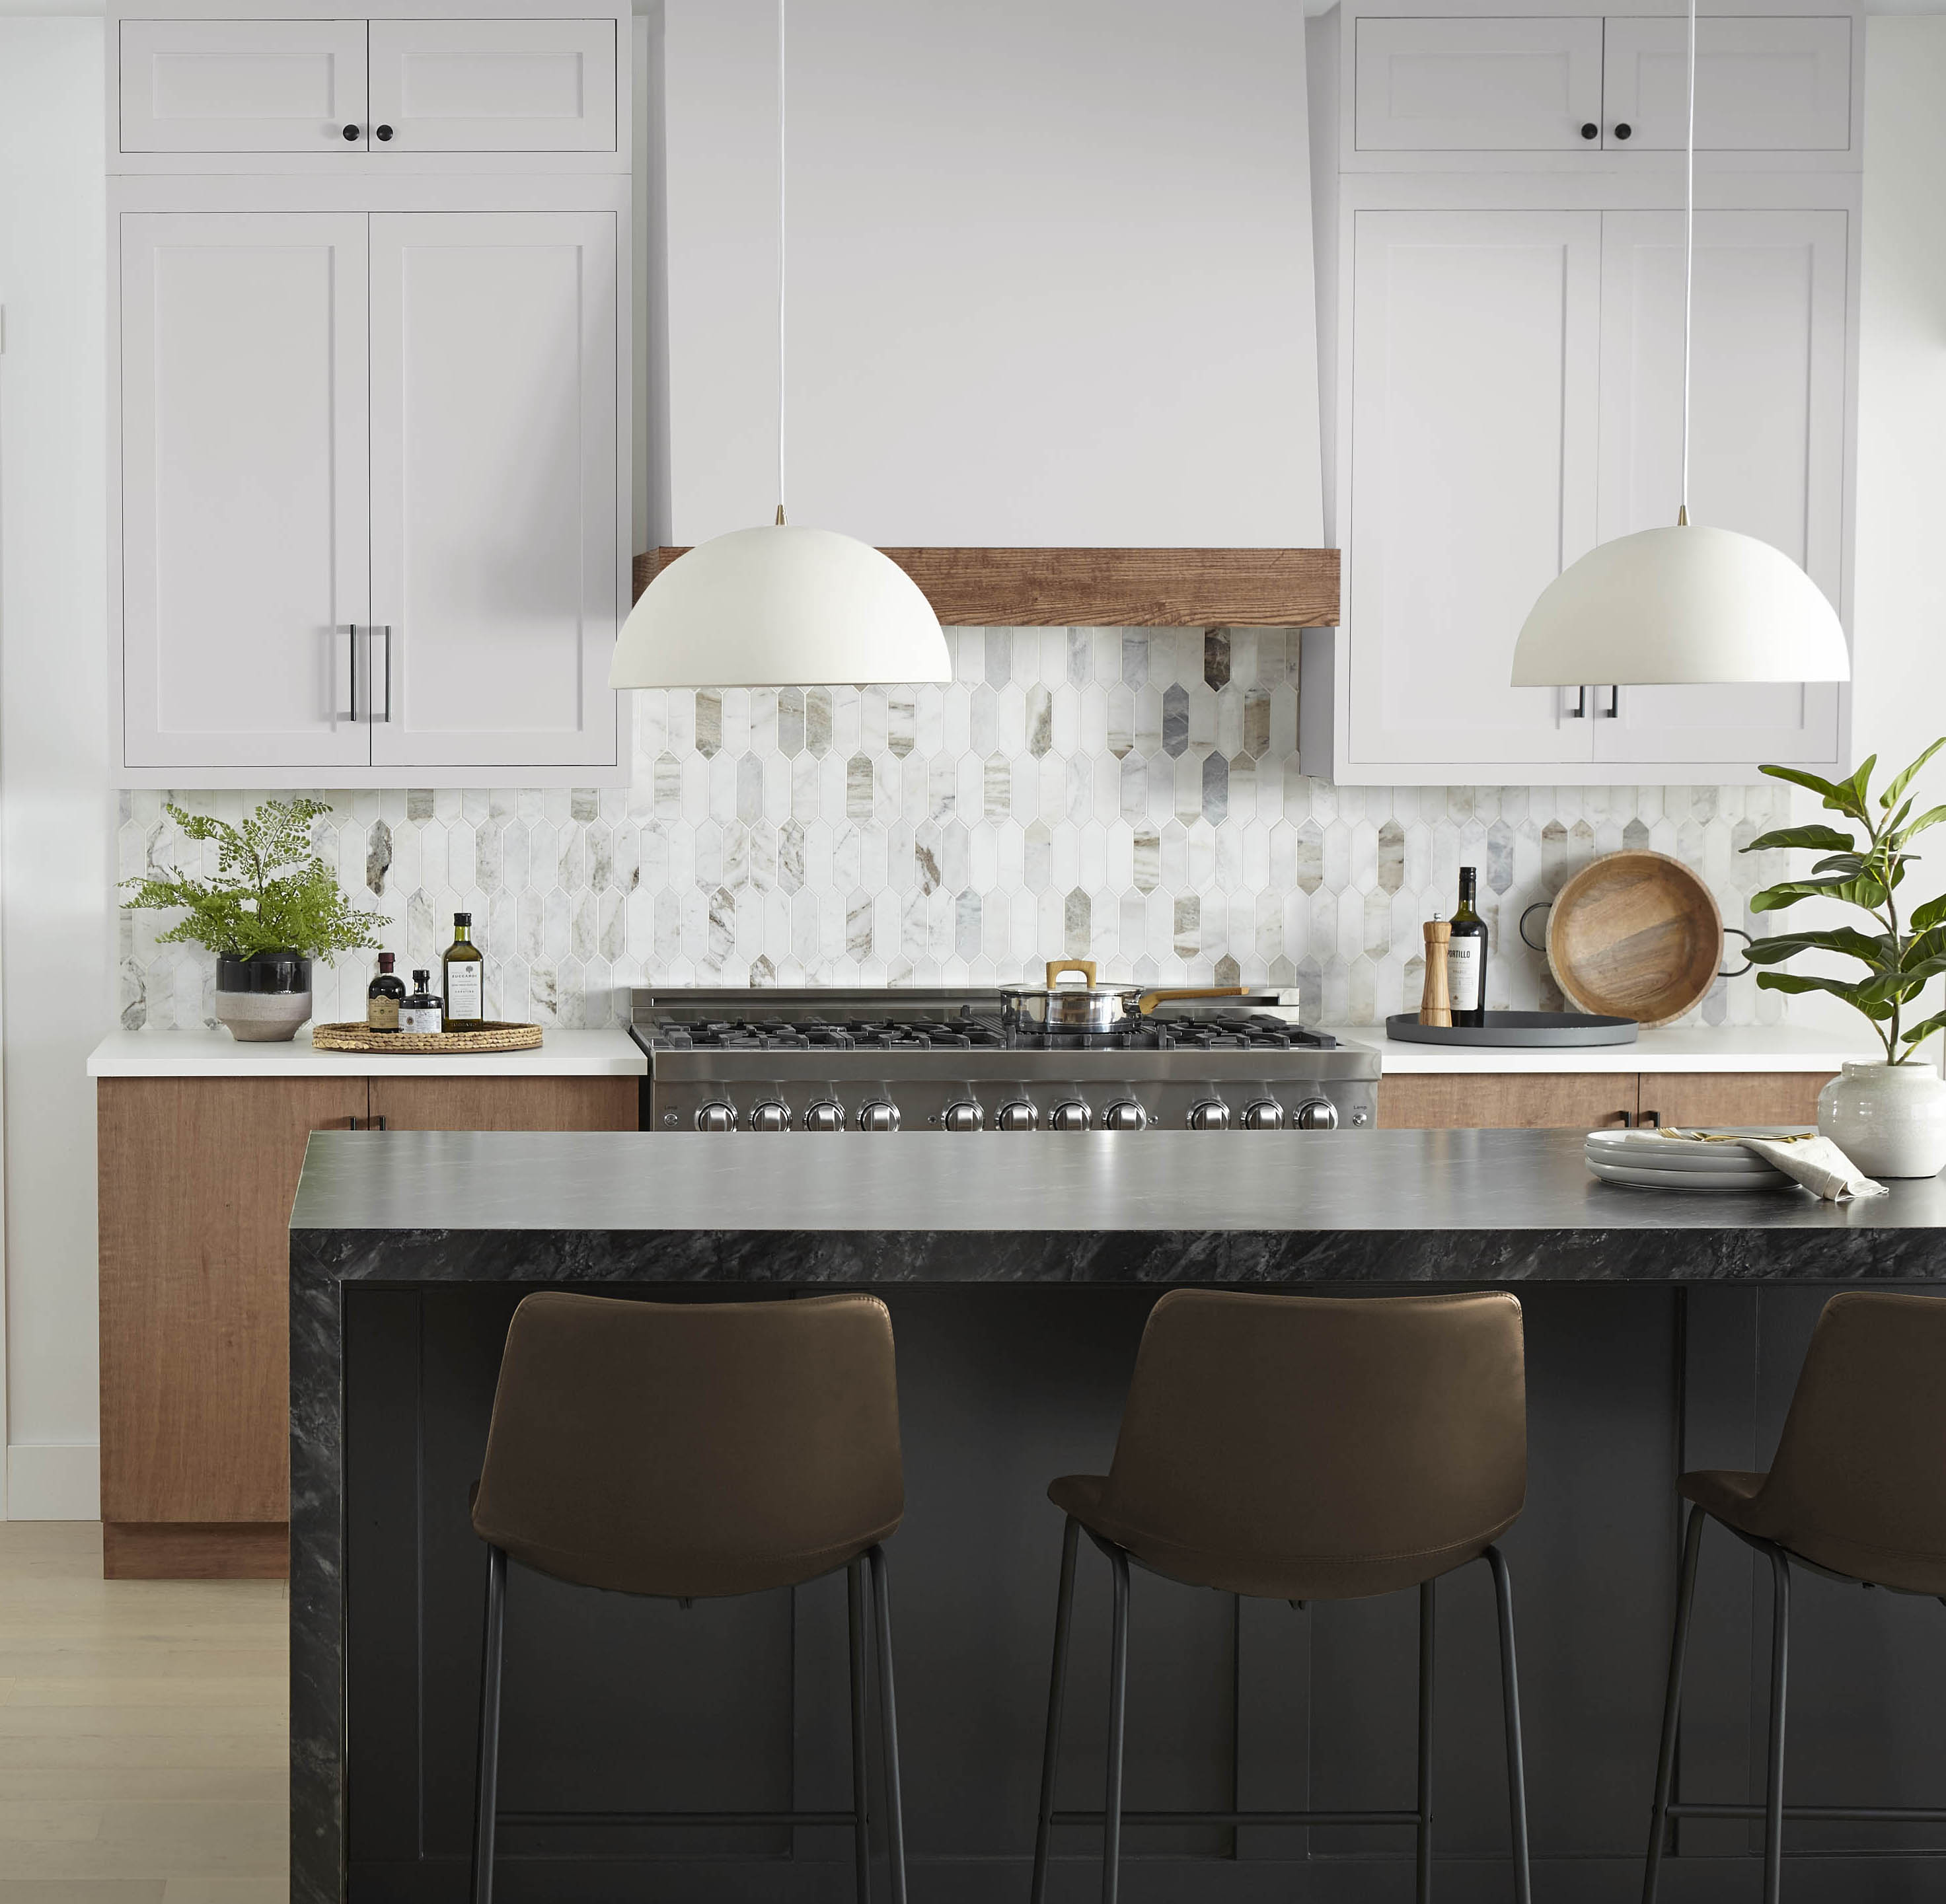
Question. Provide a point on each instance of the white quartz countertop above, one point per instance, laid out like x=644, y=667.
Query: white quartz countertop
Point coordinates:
x=608, y=1053
x=1673, y=1048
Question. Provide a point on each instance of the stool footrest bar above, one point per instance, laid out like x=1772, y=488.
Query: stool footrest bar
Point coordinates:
x=1295, y=1818
x=1858, y=1814
x=645, y=1818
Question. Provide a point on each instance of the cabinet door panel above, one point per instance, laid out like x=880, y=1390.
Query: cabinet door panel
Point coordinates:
x=494, y=543
x=494, y=85
x=1475, y=383
x=1546, y=1100
x=244, y=497
x=242, y=85
x=1477, y=85
x=1718, y=1097
x=1774, y=84
x=508, y=1104
x=1767, y=454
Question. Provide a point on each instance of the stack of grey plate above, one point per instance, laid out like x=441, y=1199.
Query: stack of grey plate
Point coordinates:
x=1647, y=1163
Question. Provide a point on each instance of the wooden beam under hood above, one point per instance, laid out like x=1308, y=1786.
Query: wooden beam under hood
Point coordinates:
x=1166, y=588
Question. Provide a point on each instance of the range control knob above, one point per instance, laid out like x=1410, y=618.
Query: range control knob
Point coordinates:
x=716, y=1115
x=1317, y=1114
x=825, y=1115
x=770, y=1116
x=1017, y=1115
x=1071, y=1114
x=1213, y=1114
x=1266, y=1114
x=878, y=1116
x=962, y=1114
x=1125, y=1114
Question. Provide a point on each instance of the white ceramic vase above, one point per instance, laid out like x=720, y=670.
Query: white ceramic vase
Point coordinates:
x=1889, y=1119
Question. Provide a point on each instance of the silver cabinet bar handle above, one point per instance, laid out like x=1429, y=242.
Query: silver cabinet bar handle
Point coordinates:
x=350, y=710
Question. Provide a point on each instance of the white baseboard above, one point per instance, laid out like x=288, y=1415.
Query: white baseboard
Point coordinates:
x=53, y=1481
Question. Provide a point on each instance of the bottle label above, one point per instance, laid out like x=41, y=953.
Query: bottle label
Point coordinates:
x=421, y=1018
x=463, y=988
x=381, y=1014
x=1463, y=965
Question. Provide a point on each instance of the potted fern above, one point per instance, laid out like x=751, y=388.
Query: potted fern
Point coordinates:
x=1889, y=1115
x=272, y=907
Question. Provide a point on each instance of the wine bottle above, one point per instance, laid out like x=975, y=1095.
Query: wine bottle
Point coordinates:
x=464, y=978
x=1466, y=956
x=382, y=997
x=422, y=1011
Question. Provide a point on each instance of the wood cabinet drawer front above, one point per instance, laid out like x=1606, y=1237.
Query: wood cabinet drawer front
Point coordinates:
x=1716, y=1097
x=1495, y=1101
x=1477, y=85
x=506, y=1103
x=242, y=85
x=494, y=85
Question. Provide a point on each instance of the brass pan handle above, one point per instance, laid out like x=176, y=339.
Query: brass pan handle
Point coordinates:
x=1147, y=1002
x=1056, y=967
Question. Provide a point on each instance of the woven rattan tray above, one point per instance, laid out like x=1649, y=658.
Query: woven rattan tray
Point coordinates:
x=492, y=1036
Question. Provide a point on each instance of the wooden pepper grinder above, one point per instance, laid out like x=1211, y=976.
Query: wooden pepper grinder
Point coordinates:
x=1435, y=1003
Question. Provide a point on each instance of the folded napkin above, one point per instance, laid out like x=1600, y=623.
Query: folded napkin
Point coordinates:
x=1814, y=1162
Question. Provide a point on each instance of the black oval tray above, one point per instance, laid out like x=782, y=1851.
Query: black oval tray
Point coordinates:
x=1530, y=1028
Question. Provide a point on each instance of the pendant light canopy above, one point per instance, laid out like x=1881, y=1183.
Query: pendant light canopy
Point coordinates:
x=780, y=606
x=1687, y=604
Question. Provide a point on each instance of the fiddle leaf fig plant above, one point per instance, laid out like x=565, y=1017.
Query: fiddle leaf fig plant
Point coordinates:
x=271, y=892
x=1901, y=956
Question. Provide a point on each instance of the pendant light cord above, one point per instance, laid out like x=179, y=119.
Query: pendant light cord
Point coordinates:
x=781, y=208
x=1689, y=258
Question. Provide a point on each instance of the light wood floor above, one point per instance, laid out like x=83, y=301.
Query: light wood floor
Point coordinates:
x=144, y=1730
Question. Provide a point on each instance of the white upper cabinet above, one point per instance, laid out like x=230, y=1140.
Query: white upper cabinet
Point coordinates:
x=243, y=501
x=495, y=547
x=242, y=85
x=1478, y=85
x=493, y=85
x=1476, y=337
x=1767, y=454
x=1770, y=84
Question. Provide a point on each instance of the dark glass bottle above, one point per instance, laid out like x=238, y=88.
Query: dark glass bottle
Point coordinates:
x=1466, y=955
x=464, y=979
x=382, y=997
x=422, y=1010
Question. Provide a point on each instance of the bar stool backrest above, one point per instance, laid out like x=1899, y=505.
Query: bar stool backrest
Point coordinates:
x=1861, y=1464
x=692, y=1449
x=1269, y=1429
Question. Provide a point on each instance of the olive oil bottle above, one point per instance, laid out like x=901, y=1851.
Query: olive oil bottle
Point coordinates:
x=1466, y=955
x=384, y=996
x=465, y=979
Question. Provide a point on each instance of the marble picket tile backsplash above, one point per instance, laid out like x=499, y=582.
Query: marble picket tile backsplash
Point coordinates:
x=1130, y=795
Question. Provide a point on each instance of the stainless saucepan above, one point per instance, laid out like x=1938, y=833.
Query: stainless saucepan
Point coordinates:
x=1088, y=1006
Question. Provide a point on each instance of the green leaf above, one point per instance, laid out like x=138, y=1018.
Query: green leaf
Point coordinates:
x=1859, y=784
x=1867, y=892
x=1932, y=913
x=1900, y=781
x=1824, y=838
x=1931, y=817
x=1850, y=864
x=1924, y=1029
x=1841, y=799
x=1878, y=952
x=1853, y=995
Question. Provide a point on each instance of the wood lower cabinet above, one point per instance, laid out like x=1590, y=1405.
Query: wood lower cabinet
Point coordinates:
x=196, y=1177
x=1589, y=1100
x=1732, y=1097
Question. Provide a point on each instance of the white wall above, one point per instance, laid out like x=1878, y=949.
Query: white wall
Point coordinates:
x=1050, y=271
x=54, y=801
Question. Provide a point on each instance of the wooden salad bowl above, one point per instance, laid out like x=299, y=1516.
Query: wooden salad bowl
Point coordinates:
x=1636, y=935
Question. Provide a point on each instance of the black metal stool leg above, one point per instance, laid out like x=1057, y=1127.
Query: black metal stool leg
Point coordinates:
x=1427, y=1606
x=861, y=1836
x=1064, y=1611
x=1672, y=1706
x=1780, y=1666
x=1504, y=1601
x=889, y=1727
x=1118, y=1699
x=486, y=1785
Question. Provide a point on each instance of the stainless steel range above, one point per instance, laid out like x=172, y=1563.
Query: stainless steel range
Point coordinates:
x=912, y=1059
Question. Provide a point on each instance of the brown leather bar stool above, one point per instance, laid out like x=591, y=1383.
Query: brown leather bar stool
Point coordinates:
x=689, y=1450
x=1300, y=1448
x=1858, y=1493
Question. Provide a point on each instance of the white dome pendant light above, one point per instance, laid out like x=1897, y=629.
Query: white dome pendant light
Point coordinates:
x=780, y=606
x=1686, y=604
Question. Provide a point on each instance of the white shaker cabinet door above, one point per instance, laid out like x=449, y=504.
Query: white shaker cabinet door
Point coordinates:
x=243, y=478
x=1479, y=85
x=493, y=85
x=1475, y=336
x=1763, y=84
x=1767, y=455
x=242, y=85
x=494, y=540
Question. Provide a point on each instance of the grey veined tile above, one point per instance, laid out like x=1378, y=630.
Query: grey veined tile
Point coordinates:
x=1175, y=720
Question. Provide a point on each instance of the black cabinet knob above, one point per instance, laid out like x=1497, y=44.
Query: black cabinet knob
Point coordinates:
x=385, y=131
x=351, y=132
x=1590, y=130
x=1623, y=130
